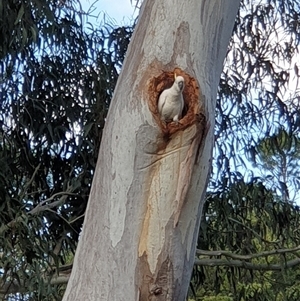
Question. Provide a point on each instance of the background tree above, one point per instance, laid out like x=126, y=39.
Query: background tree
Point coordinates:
x=257, y=115
x=248, y=240
x=278, y=155
x=55, y=94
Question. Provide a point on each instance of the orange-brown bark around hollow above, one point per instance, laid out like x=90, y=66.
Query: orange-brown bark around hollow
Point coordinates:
x=191, y=95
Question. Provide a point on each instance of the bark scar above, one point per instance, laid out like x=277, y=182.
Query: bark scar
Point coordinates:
x=186, y=168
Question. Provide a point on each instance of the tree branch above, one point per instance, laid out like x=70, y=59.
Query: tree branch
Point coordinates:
x=22, y=195
x=254, y=233
x=39, y=208
x=42, y=206
x=237, y=261
x=21, y=287
x=247, y=265
x=248, y=256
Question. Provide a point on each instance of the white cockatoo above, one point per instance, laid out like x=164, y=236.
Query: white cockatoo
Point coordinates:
x=170, y=102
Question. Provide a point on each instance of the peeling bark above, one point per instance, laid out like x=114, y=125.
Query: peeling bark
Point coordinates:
x=142, y=221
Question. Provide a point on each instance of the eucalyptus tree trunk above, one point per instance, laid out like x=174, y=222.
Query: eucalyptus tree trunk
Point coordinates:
x=141, y=225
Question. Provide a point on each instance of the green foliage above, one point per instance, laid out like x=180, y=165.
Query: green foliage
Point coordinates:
x=256, y=95
x=56, y=85
x=246, y=219
x=249, y=206
x=279, y=155
x=219, y=297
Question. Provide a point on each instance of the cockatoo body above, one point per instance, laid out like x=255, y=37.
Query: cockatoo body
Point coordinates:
x=170, y=102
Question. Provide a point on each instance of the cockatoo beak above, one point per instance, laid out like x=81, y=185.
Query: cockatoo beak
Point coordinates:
x=180, y=85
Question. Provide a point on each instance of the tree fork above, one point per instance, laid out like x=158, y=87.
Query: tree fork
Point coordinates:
x=139, y=236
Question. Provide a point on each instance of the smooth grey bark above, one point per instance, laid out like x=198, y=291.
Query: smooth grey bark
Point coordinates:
x=142, y=221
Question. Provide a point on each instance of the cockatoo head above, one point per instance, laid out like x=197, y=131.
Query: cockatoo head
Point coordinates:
x=179, y=82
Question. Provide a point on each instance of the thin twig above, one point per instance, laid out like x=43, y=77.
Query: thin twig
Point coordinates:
x=248, y=256
x=247, y=265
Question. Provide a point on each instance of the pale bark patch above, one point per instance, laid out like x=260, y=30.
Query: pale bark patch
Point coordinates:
x=120, y=184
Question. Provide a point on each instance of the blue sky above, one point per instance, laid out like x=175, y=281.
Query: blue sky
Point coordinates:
x=120, y=12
